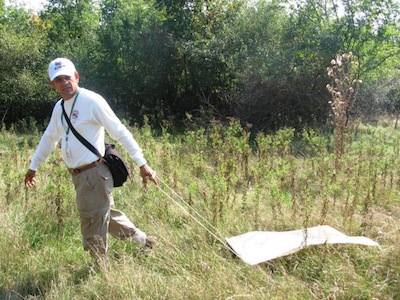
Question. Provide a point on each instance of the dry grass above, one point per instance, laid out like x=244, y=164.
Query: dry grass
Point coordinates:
x=42, y=260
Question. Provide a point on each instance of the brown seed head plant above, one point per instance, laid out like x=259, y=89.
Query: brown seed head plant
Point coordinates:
x=344, y=89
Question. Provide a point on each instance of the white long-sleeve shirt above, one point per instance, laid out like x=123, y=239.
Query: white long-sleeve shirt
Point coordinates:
x=90, y=115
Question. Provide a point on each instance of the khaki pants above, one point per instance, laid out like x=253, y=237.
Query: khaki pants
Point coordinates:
x=97, y=213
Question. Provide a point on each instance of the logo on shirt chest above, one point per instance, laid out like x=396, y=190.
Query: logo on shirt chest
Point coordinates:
x=74, y=115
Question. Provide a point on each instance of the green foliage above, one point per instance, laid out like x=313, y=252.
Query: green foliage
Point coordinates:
x=393, y=104
x=134, y=60
x=21, y=78
x=282, y=181
x=262, y=62
x=71, y=28
x=371, y=33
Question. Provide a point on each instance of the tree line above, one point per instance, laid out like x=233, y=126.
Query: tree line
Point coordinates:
x=261, y=62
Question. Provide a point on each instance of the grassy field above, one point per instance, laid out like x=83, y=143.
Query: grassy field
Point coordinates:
x=237, y=183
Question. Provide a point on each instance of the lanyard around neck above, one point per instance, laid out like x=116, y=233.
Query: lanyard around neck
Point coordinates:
x=70, y=113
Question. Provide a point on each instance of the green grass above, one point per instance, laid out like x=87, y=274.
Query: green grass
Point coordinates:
x=237, y=183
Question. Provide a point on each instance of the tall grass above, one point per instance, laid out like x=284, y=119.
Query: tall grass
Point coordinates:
x=237, y=183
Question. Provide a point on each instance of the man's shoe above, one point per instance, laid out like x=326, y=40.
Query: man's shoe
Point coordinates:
x=151, y=242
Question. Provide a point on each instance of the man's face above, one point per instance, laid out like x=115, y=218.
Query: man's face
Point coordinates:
x=66, y=86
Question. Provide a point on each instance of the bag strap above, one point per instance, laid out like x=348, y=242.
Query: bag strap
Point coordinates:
x=77, y=134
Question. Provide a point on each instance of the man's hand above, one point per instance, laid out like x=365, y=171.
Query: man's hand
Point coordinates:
x=148, y=173
x=30, y=178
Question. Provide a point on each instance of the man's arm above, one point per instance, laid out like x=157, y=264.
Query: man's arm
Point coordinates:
x=47, y=144
x=120, y=133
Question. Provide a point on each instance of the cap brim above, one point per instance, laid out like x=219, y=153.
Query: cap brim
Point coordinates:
x=61, y=72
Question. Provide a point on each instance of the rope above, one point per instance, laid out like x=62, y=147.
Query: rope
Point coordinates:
x=192, y=216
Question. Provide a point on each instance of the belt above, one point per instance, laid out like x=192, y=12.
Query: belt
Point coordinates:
x=84, y=168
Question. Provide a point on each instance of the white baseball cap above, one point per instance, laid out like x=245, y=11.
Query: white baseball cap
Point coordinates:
x=61, y=66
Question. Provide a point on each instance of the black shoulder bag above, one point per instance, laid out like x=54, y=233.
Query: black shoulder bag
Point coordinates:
x=118, y=168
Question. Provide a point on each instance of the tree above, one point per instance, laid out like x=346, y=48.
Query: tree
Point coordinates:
x=263, y=63
x=203, y=69
x=71, y=27
x=135, y=58
x=286, y=76
x=23, y=85
x=394, y=104
x=370, y=29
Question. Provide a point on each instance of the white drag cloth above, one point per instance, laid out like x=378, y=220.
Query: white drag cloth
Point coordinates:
x=259, y=246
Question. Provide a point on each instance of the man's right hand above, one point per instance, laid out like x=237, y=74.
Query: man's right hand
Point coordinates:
x=30, y=178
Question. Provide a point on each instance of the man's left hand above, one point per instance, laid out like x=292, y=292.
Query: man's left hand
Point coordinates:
x=148, y=173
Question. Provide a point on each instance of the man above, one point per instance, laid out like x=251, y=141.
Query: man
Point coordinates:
x=90, y=115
